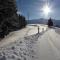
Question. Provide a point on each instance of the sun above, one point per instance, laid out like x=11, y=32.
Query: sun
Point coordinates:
x=46, y=10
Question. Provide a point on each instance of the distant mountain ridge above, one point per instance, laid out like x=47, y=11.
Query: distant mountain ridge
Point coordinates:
x=43, y=21
x=37, y=21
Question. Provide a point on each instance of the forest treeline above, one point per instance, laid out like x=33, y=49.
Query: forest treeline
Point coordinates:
x=9, y=19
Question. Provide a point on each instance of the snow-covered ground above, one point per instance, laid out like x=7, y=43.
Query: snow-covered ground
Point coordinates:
x=26, y=44
x=13, y=36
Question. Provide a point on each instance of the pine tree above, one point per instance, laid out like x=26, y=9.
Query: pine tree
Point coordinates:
x=22, y=21
x=50, y=22
x=9, y=20
x=8, y=16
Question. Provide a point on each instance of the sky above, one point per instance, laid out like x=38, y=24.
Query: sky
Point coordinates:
x=33, y=8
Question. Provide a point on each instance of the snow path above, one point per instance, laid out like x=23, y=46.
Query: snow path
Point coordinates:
x=43, y=46
x=48, y=48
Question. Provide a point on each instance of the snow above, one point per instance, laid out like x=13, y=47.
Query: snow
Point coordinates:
x=13, y=36
x=27, y=44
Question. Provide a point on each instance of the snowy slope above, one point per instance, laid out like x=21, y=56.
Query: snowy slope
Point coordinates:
x=33, y=46
x=16, y=35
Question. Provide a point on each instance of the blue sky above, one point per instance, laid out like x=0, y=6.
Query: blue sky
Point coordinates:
x=33, y=8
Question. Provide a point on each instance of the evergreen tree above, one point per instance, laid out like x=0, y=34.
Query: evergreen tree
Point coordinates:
x=9, y=20
x=22, y=21
x=8, y=16
x=50, y=22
